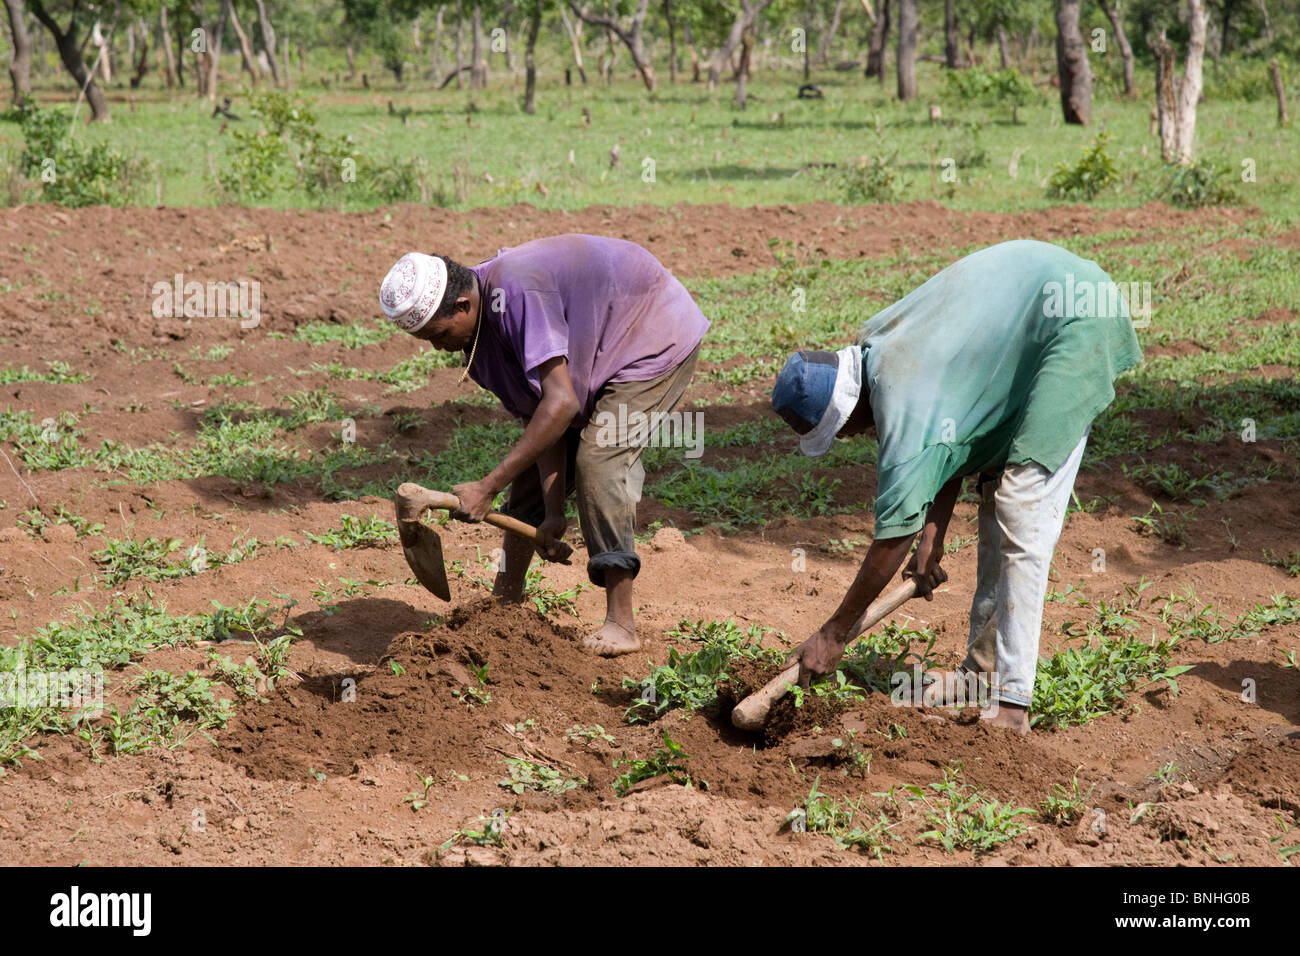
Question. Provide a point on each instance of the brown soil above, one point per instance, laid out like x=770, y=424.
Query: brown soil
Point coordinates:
x=258, y=791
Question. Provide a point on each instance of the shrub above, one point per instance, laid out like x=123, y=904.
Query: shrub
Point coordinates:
x=1094, y=171
x=1007, y=87
x=1201, y=183
x=871, y=179
x=72, y=173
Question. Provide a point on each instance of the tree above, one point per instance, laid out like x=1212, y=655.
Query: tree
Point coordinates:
x=1114, y=13
x=1072, y=64
x=879, y=41
x=629, y=32
x=950, y=39
x=907, y=23
x=532, y=10
x=20, y=69
x=1176, y=109
x=267, y=32
x=70, y=40
x=743, y=20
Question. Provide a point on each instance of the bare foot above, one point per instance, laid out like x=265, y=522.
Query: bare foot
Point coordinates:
x=612, y=640
x=1010, y=716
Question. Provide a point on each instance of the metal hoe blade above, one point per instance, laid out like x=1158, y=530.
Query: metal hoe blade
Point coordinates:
x=423, y=550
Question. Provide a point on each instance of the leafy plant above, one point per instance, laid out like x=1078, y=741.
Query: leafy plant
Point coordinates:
x=367, y=532
x=963, y=818
x=1064, y=805
x=525, y=775
x=690, y=681
x=1094, y=171
x=1080, y=684
x=1203, y=182
x=840, y=819
x=871, y=179
x=73, y=173
x=664, y=762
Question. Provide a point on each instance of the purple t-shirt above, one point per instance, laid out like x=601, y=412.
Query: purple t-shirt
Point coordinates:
x=606, y=305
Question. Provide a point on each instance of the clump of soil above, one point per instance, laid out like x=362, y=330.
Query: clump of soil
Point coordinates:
x=414, y=703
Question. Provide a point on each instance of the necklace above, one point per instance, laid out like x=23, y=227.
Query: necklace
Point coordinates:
x=478, y=331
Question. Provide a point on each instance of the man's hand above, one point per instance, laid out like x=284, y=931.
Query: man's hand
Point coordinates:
x=553, y=529
x=819, y=655
x=476, y=499
x=928, y=579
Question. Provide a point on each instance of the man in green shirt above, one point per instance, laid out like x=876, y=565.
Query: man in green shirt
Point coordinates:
x=995, y=367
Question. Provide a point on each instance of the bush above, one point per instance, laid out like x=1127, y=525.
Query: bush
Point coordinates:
x=1094, y=171
x=72, y=173
x=871, y=179
x=992, y=87
x=1198, y=184
x=287, y=151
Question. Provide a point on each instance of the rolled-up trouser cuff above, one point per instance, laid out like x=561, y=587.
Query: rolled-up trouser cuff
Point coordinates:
x=600, y=563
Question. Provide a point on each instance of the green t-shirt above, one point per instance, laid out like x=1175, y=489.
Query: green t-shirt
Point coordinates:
x=1005, y=357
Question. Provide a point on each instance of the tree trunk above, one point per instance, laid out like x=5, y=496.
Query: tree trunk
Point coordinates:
x=141, y=57
x=246, y=59
x=746, y=48
x=1190, y=93
x=165, y=41
x=1115, y=14
x=20, y=69
x=746, y=17
x=1275, y=71
x=530, y=68
x=672, y=42
x=214, y=49
x=350, y=55
x=828, y=35
x=103, y=58
x=1072, y=68
x=879, y=41
x=69, y=47
x=907, y=22
x=267, y=32
x=478, y=69
x=284, y=45
x=574, y=29
x=460, y=40
x=691, y=52
x=951, y=41
x=1166, y=101
x=1001, y=33
x=631, y=36
x=435, y=46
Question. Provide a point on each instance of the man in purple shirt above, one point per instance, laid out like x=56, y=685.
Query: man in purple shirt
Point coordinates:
x=571, y=333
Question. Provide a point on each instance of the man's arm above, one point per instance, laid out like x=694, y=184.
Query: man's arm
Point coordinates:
x=821, y=653
x=924, y=565
x=552, y=418
x=551, y=468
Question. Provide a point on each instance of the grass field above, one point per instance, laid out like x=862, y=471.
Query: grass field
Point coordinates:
x=478, y=148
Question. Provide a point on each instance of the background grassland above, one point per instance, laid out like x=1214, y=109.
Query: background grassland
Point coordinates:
x=478, y=148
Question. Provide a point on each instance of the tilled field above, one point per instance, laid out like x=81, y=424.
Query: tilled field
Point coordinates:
x=380, y=753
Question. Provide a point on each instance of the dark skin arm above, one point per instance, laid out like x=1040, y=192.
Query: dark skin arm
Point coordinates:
x=821, y=653
x=552, y=418
x=552, y=467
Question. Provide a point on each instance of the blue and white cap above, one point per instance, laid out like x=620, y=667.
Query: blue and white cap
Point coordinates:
x=816, y=393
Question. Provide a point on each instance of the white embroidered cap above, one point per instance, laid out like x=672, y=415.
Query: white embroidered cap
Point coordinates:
x=413, y=290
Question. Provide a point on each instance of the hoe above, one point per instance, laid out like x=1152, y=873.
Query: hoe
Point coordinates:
x=751, y=713
x=423, y=547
